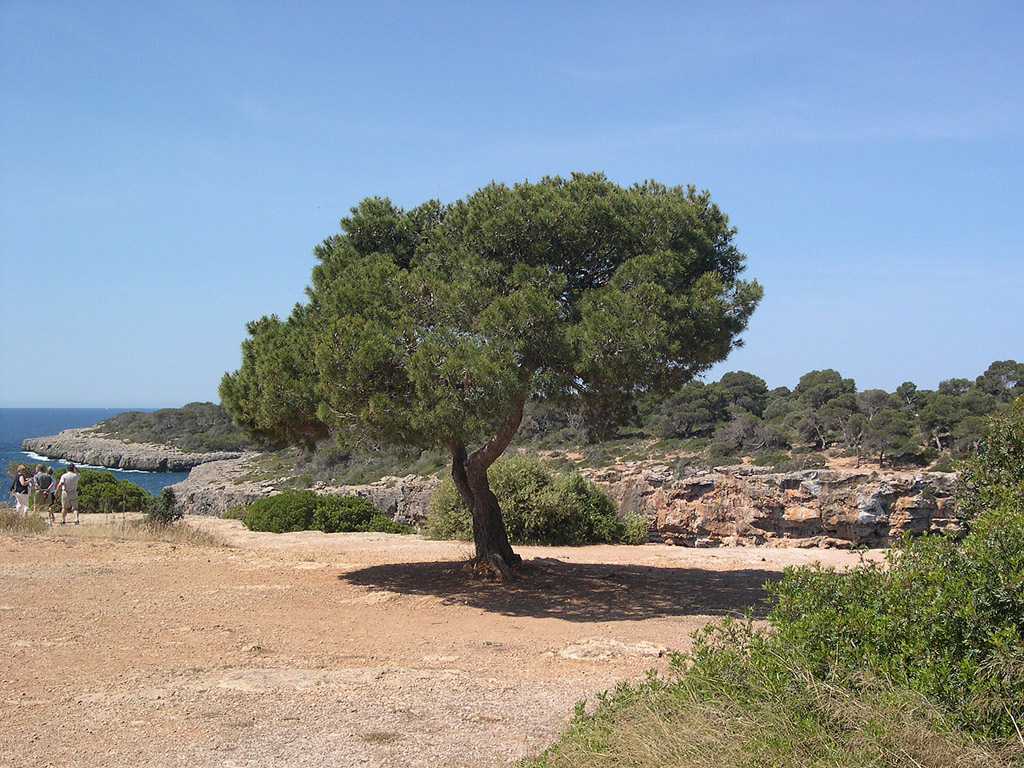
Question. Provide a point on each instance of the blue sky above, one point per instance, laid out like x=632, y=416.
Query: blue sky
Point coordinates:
x=168, y=167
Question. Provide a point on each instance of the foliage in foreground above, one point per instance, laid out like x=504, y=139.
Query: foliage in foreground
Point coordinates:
x=539, y=507
x=743, y=702
x=918, y=661
x=305, y=511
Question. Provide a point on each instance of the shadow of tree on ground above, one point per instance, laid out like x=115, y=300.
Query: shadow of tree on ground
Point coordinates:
x=581, y=592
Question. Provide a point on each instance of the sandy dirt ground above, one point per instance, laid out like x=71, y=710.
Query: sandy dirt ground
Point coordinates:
x=332, y=650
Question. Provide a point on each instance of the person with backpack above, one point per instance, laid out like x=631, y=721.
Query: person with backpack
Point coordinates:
x=43, y=481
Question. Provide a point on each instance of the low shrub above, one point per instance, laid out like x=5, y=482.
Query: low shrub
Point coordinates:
x=236, y=512
x=304, y=511
x=100, y=491
x=539, y=507
x=338, y=514
x=723, y=455
x=163, y=509
x=284, y=513
x=773, y=460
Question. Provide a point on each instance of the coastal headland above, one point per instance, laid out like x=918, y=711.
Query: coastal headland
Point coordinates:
x=84, y=446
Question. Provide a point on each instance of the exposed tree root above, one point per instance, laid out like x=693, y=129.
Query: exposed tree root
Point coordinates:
x=493, y=568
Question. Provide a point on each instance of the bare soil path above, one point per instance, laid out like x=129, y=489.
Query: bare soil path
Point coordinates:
x=331, y=650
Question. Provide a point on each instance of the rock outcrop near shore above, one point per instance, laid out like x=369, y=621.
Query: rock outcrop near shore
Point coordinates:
x=734, y=505
x=85, y=446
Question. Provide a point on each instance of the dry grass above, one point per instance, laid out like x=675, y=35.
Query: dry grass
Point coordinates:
x=13, y=523
x=130, y=527
x=683, y=724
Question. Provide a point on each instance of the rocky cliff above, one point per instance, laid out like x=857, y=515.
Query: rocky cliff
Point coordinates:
x=752, y=505
x=214, y=488
x=84, y=446
x=736, y=505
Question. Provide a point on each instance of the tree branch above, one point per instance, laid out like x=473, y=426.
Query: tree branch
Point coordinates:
x=488, y=453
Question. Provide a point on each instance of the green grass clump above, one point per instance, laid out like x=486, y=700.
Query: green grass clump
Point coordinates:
x=740, y=700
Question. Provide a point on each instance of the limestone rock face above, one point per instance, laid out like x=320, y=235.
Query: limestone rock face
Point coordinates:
x=728, y=506
x=215, y=487
x=83, y=446
x=751, y=505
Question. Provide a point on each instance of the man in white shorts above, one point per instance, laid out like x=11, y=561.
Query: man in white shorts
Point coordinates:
x=68, y=487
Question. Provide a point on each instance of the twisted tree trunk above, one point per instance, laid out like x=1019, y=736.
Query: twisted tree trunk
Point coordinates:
x=469, y=471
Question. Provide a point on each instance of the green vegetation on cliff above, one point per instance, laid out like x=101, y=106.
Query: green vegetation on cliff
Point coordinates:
x=193, y=428
x=718, y=423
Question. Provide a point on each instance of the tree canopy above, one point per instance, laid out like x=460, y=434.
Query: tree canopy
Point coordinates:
x=434, y=326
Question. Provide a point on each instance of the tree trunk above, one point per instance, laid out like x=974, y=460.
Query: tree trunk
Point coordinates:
x=469, y=471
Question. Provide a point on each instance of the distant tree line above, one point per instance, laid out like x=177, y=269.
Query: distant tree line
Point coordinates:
x=739, y=416
x=716, y=422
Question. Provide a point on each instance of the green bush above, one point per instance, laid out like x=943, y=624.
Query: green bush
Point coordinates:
x=100, y=491
x=304, y=510
x=993, y=475
x=942, y=618
x=286, y=512
x=722, y=455
x=774, y=460
x=539, y=507
x=163, y=509
x=381, y=523
x=337, y=514
x=236, y=512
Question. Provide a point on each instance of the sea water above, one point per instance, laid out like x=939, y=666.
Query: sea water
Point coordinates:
x=16, y=424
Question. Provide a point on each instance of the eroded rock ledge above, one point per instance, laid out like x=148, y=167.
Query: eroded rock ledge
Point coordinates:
x=744, y=506
x=84, y=446
x=755, y=506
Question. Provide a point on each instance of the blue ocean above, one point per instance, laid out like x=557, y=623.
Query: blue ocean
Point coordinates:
x=18, y=423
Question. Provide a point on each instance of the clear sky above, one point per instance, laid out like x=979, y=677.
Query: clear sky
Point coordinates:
x=168, y=167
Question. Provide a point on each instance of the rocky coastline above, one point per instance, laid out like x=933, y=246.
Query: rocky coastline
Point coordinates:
x=85, y=446
x=741, y=506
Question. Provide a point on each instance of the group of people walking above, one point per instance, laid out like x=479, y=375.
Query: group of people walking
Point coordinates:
x=46, y=490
